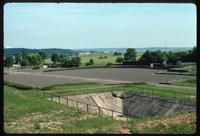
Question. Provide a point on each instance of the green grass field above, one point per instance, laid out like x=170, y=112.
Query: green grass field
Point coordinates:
x=185, y=82
x=27, y=112
x=84, y=59
x=97, y=61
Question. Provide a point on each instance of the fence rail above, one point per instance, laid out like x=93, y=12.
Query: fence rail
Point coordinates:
x=185, y=98
x=99, y=109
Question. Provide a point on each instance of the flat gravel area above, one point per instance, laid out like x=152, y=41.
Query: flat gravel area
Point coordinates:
x=122, y=74
x=98, y=75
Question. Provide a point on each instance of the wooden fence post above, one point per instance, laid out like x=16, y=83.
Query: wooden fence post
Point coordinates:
x=67, y=102
x=99, y=111
x=112, y=113
x=87, y=108
x=77, y=104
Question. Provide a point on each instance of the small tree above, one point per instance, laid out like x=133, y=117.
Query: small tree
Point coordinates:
x=54, y=57
x=76, y=61
x=35, y=59
x=43, y=55
x=130, y=55
x=193, y=54
x=66, y=62
x=91, y=62
x=24, y=62
x=18, y=58
x=24, y=53
x=9, y=61
x=117, y=53
x=119, y=60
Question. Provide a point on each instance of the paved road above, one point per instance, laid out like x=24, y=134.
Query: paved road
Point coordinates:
x=98, y=75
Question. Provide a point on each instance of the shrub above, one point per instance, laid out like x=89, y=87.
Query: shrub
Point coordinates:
x=91, y=62
x=109, y=63
x=36, y=67
x=36, y=126
x=18, y=86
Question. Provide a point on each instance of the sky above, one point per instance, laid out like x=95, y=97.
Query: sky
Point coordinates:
x=99, y=25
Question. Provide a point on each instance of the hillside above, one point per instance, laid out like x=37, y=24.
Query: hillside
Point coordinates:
x=49, y=52
x=173, y=49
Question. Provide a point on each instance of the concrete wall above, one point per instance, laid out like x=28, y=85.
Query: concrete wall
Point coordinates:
x=138, y=105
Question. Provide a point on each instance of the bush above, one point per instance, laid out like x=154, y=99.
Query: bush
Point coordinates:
x=108, y=64
x=91, y=62
x=117, y=53
x=36, y=126
x=36, y=67
x=119, y=60
x=18, y=86
x=24, y=62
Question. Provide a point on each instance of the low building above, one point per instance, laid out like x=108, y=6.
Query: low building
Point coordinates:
x=44, y=66
x=16, y=66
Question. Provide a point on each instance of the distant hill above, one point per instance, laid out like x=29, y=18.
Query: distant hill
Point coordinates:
x=49, y=52
x=173, y=49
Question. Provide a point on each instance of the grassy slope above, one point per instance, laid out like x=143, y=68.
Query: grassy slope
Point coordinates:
x=77, y=89
x=26, y=111
x=185, y=82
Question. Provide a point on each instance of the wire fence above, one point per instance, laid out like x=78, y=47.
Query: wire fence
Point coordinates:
x=86, y=106
x=110, y=112
x=171, y=96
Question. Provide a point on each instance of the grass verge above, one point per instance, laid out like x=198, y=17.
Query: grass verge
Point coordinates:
x=185, y=82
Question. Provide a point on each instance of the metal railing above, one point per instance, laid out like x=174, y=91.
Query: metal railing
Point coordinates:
x=99, y=109
x=182, y=97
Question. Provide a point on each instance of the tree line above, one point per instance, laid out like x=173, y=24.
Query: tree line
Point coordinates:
x=158, y=56
x=37, y=59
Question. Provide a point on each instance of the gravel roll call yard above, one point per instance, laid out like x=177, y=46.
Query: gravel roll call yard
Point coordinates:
x=98, y=75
